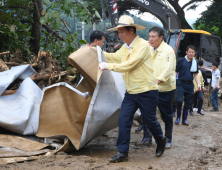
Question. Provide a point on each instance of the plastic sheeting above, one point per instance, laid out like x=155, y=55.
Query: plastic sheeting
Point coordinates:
x=19, y=112
x=7, y=77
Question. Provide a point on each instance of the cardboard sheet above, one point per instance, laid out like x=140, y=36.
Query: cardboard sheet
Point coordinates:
x=62, y=112
x=65, y=111
x=20, y=143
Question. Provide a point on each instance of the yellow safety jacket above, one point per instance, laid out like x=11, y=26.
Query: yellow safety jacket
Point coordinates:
x=164, y=64
x=135, y=65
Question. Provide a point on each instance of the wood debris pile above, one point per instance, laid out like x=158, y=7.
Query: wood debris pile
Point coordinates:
x=47, y=72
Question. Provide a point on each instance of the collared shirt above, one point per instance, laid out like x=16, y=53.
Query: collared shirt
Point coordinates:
x=164, y=64
x=135, y=65
x=215, y=77
x=201, y=80
x=154, y=50
x=183, y=68
x=129, y=46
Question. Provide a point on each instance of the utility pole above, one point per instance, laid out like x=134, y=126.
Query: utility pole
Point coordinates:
x=83, y=31
x=82, y=28
x=94, y=26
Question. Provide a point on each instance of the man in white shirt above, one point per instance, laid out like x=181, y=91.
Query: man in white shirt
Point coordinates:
x=215, y=86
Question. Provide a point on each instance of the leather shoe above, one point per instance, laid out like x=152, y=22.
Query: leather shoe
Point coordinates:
x=161, y=146
x=214, y=110
x=201, y=113
x=120, y=157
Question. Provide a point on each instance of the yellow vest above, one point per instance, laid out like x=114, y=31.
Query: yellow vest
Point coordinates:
x=164, y=65
x=135, y=65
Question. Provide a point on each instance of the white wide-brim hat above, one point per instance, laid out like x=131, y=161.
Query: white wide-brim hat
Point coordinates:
x=125, y=21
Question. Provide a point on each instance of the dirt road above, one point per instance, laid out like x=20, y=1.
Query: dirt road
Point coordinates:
x=196, y=147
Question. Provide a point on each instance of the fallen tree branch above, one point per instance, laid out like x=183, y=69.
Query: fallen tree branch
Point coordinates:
x=4, y=53
x=36, y=77
x=3, y=66
x=12, y=63
x=50, y=30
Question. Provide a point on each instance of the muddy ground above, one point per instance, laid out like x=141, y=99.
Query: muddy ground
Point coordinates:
x=196, y=147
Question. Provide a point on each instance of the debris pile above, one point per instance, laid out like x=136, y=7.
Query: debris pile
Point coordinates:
x=48, y=107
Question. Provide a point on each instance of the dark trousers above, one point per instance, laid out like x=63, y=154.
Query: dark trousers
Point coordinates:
x=166, y=109
x=198, y=96
x=195, y=100
x=175, y=98
x=186, y=91
x=147, y=103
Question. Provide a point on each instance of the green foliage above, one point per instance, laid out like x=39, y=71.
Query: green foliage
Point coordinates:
x=55, y=15
x=60, y=50
x=11, y=40
x=82, y=42
x=211, y=19
x=59, y=15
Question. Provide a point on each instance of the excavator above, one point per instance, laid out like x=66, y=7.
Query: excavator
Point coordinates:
x=208, y=47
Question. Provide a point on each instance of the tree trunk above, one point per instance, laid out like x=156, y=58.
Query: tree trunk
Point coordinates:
x=180, y=14
x=36, y=26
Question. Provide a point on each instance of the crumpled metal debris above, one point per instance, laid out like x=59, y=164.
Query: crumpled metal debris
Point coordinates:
x=19, y=112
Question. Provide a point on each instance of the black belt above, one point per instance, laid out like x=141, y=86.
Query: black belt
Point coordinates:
x=187, y=82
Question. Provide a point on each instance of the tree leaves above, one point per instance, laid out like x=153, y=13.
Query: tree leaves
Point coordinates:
x=54, y=28
x=82, y=42
x=97, y=14
x=56, y=25
x=43, y=20
x=211, y=19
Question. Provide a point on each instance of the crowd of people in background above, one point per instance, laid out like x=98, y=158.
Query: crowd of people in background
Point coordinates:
x=154, y=79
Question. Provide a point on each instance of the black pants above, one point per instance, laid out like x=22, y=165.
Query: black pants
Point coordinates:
x=165, y=106
x=197, y=98
x=186, y=91
x=147, y=103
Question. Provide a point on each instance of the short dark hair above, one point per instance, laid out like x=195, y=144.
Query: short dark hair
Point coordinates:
x=96, y=35
x=215, y=64
x=129, y=27
x=200, y=62
x=157, y=29
x=192, y=47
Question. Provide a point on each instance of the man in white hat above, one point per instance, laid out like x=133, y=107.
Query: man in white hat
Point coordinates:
x=134, y=61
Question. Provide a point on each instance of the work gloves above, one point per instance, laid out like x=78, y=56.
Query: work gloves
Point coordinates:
x=198, y=87
x=103, y=66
